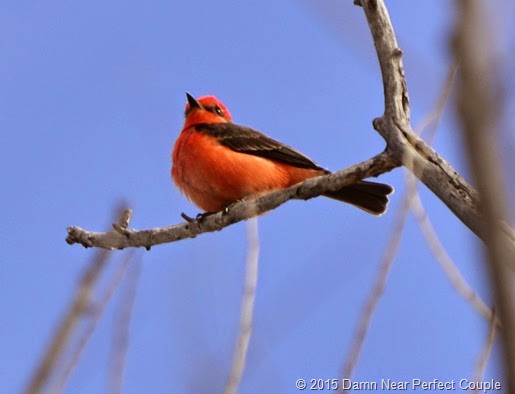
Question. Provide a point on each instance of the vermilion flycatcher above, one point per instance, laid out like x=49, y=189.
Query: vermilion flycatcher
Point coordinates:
x=217, y=162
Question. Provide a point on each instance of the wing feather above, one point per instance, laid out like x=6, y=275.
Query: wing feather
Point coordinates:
x=246, y=140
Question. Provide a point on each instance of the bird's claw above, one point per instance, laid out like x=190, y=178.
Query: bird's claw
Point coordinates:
x=189, y=219
x=203, y=216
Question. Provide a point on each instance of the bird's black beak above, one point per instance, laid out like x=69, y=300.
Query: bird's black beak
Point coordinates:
x=193, y=101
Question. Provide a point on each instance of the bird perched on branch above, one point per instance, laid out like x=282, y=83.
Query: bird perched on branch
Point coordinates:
x=217, y=162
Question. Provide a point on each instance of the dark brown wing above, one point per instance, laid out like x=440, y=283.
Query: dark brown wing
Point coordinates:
x=246, y=140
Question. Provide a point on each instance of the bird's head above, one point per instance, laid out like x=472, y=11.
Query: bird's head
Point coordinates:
x=206, y=109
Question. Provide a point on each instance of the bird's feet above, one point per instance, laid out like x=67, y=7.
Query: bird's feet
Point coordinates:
x=199, y=218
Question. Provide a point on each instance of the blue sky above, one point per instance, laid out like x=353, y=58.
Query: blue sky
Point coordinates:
x=91, y=102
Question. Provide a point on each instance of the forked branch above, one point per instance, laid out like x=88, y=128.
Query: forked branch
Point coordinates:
x=404, y=147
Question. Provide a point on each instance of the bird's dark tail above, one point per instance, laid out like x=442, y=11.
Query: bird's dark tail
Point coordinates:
x=371, y=197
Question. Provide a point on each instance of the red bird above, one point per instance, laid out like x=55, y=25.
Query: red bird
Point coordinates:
x=217, y=162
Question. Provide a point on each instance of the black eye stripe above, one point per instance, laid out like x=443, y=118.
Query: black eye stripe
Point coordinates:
x=215, y=109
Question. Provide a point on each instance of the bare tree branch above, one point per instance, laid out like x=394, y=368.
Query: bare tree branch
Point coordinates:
x=122, y=237
x=62, y=335
x=91, y=324
x=433, y=119
x=402, y=143
x=487, y=349
x=78, y=307
x=448, y=266
x=479, y=106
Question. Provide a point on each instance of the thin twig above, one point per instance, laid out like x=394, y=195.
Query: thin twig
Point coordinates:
x=377, y=288
x=432, y=121
x=247, y=309
x=63, y=333
x=487, y=350
x=92, y=322
x=448, y=266
x=121, y=331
